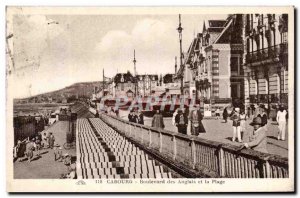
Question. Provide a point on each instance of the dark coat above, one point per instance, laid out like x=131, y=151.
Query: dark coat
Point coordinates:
x=158, y=121
x=130, y=117
x=182, y=128
x=177, y=119
x=225, y=114
x=141, y=118
x=264, y=119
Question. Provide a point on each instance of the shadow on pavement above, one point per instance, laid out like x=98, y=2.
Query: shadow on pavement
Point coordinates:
x=272, y=137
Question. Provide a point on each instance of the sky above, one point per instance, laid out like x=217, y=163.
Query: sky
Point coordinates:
x=54, y=51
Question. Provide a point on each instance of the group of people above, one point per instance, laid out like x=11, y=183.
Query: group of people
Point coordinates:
x=136, y=116
x=259, y=117
x=36, y=143
x=182, y=117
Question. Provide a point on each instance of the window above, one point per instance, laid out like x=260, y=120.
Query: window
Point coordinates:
x=234, y=65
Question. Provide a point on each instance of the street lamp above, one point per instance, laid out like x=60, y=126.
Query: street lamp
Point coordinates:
x=135, y=78
x=179, y=29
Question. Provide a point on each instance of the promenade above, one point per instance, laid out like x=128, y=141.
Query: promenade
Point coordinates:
x=219, y=131
x=44, y=167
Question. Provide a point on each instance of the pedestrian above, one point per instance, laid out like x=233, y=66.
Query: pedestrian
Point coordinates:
x=51, y=140
x=256, y=111
x=243, y=119
x=130, y=116
x=263, y=115
x=117, y=112
x=67, y=160
x=196, y=121
x=44, y=140
x=236, y=125
x=173, y=117
x=19, y=149
x=157, y=120
x=38, y=145
x=140, y=117
x=181, y=122
x=59, y=153
x=281, y=120
x=218, y=113
x=135, y=117
x=16, y=149
x=55, y=152
x=248, y=112
x=258, y=141
x=97, y=114
x=30, y=149
x=225, y=114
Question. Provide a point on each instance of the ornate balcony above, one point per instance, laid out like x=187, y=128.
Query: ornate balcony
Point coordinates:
x=267, y=54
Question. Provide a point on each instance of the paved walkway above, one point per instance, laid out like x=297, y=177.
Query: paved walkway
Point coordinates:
x=45, y=167
x=219, y=131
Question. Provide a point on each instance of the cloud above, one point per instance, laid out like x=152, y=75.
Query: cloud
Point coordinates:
x=153, y=41
x=32, y=35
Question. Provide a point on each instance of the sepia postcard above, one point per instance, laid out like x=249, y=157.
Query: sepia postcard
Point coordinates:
x=150, y=99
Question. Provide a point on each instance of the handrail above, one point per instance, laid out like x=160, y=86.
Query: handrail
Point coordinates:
x=203, y=155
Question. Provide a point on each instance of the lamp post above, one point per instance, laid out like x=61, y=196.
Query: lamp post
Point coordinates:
x=135, y=79
x=179, y=29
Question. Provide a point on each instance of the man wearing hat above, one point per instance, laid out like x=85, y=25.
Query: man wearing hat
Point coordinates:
x=258, y=141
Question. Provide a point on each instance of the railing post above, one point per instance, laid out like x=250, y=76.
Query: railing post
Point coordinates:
x=193, y=153
x=174, y=147
x=134, y=131
x=150, y=137
x=268, y=169
x=141, y=134
x=160, y=141
x=221, y=162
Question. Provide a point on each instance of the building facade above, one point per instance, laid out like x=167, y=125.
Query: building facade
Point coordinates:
x=213, y=69
x=266, y=59
x=147, y=84
x=122, y=85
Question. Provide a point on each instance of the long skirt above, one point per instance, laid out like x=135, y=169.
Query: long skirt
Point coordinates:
x=30, y=154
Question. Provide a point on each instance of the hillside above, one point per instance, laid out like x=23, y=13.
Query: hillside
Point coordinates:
x=77, y=90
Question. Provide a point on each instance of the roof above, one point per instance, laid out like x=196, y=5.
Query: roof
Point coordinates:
x=224, y=30
x=213, y=25
x=123, y=78
x=129, y=91
x=216, y=23
x=188, y=54
x=168, y=78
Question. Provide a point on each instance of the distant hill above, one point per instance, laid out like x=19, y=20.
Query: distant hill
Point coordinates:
x=77, y=90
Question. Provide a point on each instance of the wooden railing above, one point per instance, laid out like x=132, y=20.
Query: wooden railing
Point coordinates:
x=203, y=156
